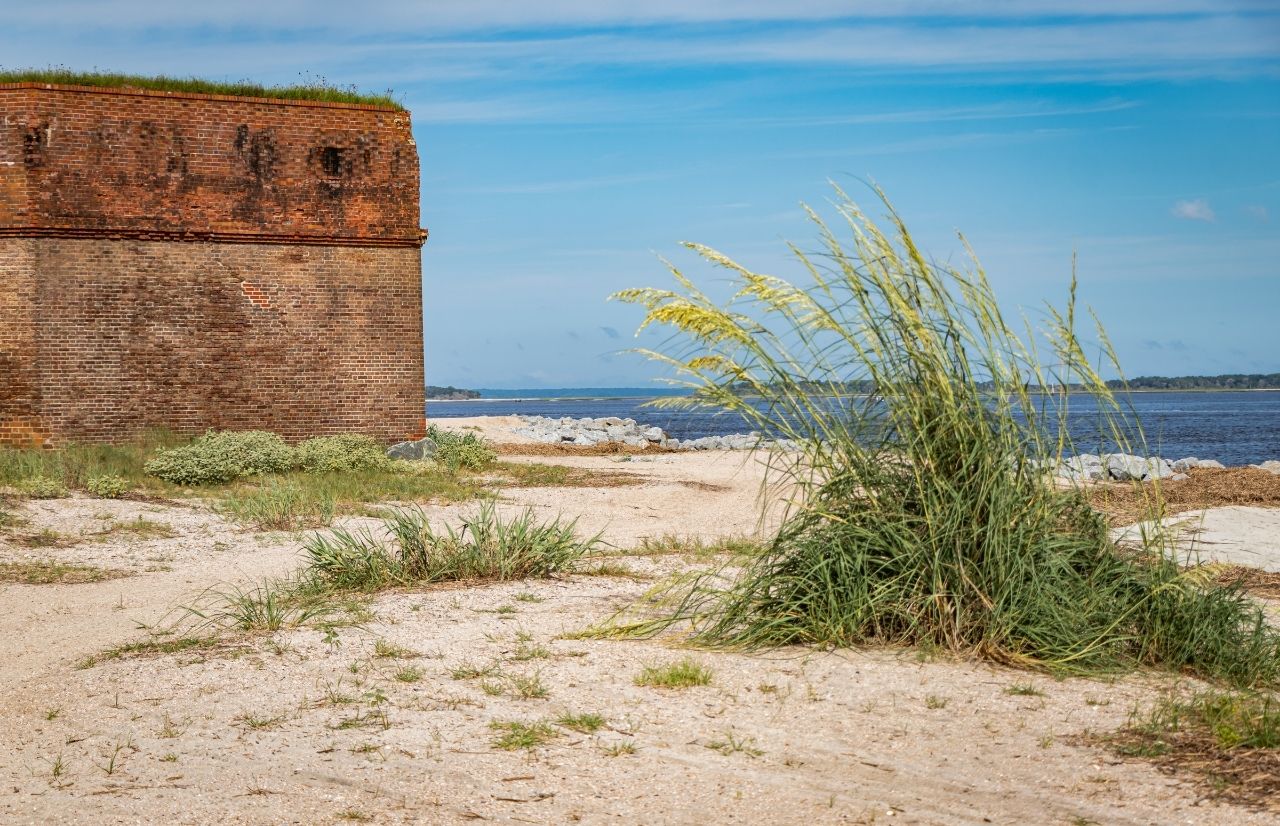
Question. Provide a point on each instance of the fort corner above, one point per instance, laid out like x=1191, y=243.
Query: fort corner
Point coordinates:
x=200, y=261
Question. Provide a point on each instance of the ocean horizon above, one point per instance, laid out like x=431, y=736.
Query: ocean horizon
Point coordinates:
x=1236, y=427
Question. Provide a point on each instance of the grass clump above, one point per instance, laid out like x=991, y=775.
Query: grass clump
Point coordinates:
x=486, y=547
x=461, y=450
x=222, y=456
x=312, y=88
x=920, y=513
x=107, y=486
x=685, y=673
x=277, y=506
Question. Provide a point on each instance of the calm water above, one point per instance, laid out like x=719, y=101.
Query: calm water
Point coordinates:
x=1235, y=428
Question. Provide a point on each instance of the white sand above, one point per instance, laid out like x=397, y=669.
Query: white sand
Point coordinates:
x=254, y=736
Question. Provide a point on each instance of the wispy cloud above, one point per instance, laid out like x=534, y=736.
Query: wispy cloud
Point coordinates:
x=1258, y=212
x=1196, y=210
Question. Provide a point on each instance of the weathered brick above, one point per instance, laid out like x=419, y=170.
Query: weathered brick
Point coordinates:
x=192, y=261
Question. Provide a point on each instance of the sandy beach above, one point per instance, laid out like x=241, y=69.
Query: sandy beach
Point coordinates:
x=394, y=721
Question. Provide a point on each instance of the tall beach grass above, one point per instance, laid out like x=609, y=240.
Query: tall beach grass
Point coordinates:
x=921, y=512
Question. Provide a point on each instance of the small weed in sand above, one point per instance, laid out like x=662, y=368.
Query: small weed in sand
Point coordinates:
x=695, y=547
x=112, y=758
x=409, y=674
x=55, y=573
x=519, y=735
x=257, y=723
x=335, y=696
x=139, y=528
x=156, y=647
x=525, y=652
x=470, y=671
x=169, y=730
x=585, y=723
x=610, y=568
x=935, y=702
x=169, y=757
x=526, y=596
x=731, y=743
x=618, y=749
x=58, y=768
x=354, y=815
x=377, y=718
x=389, y=650
x=528, y=687
x=46, y=538
x=52, y=713
x=491, y=687
x=685, y=673
x=1023, y=690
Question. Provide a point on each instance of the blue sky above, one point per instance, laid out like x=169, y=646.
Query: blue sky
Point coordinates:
x=567, y=144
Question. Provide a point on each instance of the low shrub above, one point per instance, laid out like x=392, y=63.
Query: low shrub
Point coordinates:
x=461, y=450
x=221, y=457
x=349, y=451
x=42, y=487
x=107, y=487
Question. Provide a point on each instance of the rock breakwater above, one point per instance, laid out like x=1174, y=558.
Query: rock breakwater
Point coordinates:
x=613, y=430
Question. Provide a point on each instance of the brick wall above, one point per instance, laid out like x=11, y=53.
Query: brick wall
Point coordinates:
x=97, y=159
x=197, y=262
x=19, y=377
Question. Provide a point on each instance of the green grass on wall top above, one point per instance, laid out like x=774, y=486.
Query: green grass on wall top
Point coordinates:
x=312, y=88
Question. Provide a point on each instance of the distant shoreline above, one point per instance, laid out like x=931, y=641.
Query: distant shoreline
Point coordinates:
x=606, y=397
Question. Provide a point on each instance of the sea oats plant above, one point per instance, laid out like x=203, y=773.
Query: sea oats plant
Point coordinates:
x=920, y=510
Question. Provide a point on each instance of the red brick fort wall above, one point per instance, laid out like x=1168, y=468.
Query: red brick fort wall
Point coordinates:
x=197, y=261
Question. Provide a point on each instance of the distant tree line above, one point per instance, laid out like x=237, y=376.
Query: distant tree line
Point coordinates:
x=1228, y=381
x=451, y=394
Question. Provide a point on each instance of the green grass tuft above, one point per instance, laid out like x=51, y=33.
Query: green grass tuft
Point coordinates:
x=685, y=673
x=312, y=89
x=486, y=547
x=518, y=735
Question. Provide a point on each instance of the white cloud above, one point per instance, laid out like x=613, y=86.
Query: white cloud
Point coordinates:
x=1196, y=210
x=1259, y=212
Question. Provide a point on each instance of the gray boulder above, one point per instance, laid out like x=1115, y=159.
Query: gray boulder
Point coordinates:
x=413, y=451
x=1126, y=468
x=1270, y=466
x=1211, y=463
x=1183, y=465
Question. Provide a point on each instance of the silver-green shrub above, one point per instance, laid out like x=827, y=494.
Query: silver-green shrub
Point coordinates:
x=461, y=450
x=223, y=456
x=42, y=487
x=106, y=486
x=348, y=451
